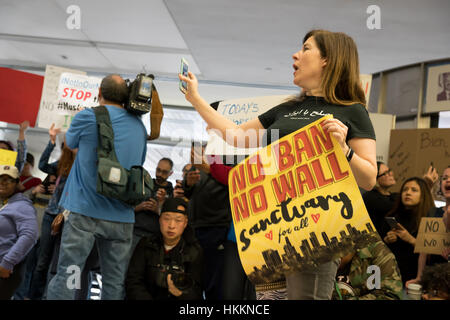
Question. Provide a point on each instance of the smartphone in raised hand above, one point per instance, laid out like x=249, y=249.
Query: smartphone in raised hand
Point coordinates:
x=392, y=222
x=184, y=71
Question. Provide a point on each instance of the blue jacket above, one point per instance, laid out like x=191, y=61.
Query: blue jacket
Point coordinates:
x=44, y=166
x=18, y=230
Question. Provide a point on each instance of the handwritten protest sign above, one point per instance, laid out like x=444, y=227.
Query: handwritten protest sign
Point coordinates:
x=411, y=151
x=295, y=203
x=8, y=157
x=240, y=111
x=48, y=112
x=75, y=92
x=432, y=237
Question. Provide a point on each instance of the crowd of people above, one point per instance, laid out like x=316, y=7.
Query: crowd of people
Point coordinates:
x=180, y=243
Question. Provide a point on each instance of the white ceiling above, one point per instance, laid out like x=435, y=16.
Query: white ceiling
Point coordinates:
x=237, y=48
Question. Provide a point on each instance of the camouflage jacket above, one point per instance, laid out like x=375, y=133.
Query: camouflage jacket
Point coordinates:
x=377, y=254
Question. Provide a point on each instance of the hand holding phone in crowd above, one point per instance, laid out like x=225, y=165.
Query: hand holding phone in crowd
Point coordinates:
x=178, y=191
x=184, y=71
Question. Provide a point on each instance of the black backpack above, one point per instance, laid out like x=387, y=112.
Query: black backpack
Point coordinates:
x=114, y=181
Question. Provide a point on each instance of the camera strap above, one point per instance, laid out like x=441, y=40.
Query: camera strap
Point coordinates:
x=105, y=147
x=156, y=115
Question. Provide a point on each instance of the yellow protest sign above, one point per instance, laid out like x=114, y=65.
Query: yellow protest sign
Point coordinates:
x=8, y=157
x=296, y=203
x=432, y=236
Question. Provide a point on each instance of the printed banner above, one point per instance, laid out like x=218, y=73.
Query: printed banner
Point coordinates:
x=8, y=157
x=432, y=237
x=296, y=203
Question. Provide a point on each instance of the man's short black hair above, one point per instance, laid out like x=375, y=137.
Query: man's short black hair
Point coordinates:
x=113, y=88
x=436, y=277
x=168, y=160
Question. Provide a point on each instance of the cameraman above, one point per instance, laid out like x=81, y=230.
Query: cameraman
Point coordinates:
x=167, y=266
x=92, y=216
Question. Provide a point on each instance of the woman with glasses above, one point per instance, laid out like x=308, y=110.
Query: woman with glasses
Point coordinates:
x=18, y=231
x=379, y=201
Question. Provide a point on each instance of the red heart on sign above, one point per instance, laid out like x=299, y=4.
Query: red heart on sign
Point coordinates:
x=315, y=217
x=269, y=235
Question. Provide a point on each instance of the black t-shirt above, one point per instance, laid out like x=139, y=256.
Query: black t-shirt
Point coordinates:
x=290, y=116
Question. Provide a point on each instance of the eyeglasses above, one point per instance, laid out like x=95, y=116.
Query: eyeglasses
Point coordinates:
x=162, y=171
x=385, y=173
x=6, y=180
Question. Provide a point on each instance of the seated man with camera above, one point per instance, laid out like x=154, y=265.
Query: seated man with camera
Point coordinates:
x=167, y=266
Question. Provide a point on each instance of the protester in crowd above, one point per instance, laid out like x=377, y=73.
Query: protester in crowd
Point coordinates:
x=147, y=212
x=61, y=169
x=163, y=171
x=40, y=196
x=210, y=216
x=379, y=201
x=327, y=70
x=356, y=281
x=432, y=259
x=178, y=191
x=27, y=181
x=414, y=202
x=92, y=216
x=436, y=282
x=168, y=265
x=235, y=283
x=21, y=145
x=18, y=230
x=147, y=218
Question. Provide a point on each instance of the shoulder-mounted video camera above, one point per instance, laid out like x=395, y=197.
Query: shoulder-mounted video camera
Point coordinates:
x=140, y=94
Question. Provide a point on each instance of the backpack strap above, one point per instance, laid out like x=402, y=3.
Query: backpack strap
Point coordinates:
x=105, y=148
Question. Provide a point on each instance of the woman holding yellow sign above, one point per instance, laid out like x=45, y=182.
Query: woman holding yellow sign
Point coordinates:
x=327, y=70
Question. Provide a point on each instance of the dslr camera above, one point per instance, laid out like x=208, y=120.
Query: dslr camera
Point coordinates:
x=140, y=94
x=181, y=279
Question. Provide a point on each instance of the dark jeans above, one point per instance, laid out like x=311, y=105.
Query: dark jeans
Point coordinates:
x=212, y=240
x=236, y=285
x=23, y=291
x=9, y=285
x=47, y=241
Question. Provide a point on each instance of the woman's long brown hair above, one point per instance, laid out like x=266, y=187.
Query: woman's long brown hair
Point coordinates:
x=421, y=210
x=340, y=79
x=65, y=162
